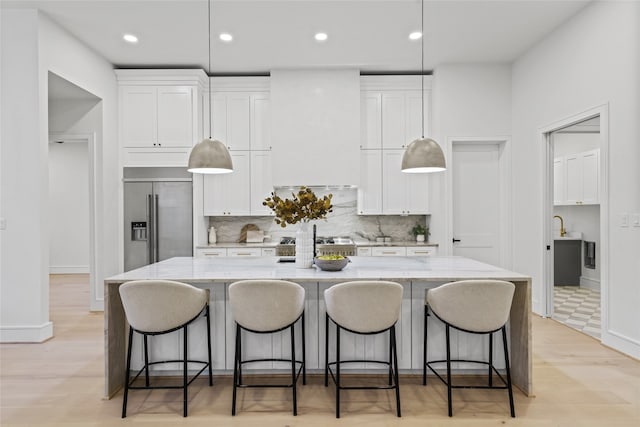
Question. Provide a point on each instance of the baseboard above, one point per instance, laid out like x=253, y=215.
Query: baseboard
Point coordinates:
x=621, y=343
x=589, y=283
x=68, y=269
x=26, y=334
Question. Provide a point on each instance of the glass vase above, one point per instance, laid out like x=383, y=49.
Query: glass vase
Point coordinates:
x=304, y=246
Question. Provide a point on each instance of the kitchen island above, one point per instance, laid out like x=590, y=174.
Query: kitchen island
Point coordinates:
x=416, y=274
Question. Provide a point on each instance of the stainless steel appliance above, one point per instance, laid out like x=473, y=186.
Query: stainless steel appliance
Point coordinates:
x=324, y=246
x=158, y=219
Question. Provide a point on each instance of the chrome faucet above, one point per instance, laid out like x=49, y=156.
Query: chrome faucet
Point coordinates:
x=562, y=230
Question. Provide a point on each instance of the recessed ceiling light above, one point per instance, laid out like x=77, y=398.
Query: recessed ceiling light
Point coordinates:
x=226, y=37
x=416, y=35
x=321, y=37
x=130, y=38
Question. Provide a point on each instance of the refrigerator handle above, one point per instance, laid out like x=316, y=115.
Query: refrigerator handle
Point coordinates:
x=151, y=241
x=155, y=228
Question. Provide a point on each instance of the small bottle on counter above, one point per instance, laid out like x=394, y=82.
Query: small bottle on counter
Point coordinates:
x=212, y=236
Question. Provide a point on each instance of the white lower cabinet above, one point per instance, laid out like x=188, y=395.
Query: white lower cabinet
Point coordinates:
x=369, y=347
x=268, y=251
x=211, y=252
x=363, y=251
x=389, y=251
x=421, y=251
x=244, y=252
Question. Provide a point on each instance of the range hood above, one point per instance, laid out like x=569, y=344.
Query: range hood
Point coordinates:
x=315, y=127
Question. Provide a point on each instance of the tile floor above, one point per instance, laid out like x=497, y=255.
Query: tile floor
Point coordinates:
x=578, y=308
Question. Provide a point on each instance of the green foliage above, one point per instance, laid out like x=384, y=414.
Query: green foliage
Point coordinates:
x=420, y=229
x=304, y=206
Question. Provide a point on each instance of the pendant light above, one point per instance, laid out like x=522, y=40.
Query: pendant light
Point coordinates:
x=210, y=156
x=423, y=155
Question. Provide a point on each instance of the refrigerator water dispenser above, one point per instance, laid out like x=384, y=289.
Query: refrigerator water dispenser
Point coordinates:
x=139, y=231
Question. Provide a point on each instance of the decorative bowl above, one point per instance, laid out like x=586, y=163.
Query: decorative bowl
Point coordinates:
x=331, y=264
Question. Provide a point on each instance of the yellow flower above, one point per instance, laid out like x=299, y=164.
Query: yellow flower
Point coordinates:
x=304, y=206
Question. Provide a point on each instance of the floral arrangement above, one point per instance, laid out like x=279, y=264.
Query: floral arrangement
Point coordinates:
x=304, y=206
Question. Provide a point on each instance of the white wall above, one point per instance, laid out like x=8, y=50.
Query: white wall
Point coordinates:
x=68, y=208
x=32, y=45
x=469, y=100
x=593, y=59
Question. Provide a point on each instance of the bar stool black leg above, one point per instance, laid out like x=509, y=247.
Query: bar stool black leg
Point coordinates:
x=304, y=353
x=326, y=350
x=395, y=368
x=449, y=370
x=293, y=370
x=490, y=359
x=236, y=363
x=390, y=360
x=184, y=371
x=424, y=347
x=208, y=317
x=506, y=361
x=146, y=361
x=126, y=375
x=337, y=371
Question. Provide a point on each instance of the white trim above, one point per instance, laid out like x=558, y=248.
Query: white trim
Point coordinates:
x=547, y=214
x=506, y=221
x=96, y=299
x=621, y=343
x=395, y=82
x=26, y=333
x=589, y=283
x=69, y=269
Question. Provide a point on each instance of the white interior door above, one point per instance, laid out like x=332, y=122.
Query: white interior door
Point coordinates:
x=476, y=201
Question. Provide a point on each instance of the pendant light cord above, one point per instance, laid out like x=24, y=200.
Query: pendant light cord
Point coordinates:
x=209, y=69
x=422, y=63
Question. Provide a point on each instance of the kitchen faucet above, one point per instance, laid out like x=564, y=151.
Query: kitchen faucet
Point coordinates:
x=562, y=230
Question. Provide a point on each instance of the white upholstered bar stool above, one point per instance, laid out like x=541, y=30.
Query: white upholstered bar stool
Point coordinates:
x=477, y=307
x=265, y=307
x=365, y=308
x=156, y=307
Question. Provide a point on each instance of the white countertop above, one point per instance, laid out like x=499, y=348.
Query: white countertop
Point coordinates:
x=238, y=245
x=360, y=268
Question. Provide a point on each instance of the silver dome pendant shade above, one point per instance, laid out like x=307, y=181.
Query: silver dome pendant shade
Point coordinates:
x=210, y=156
x=423, y=155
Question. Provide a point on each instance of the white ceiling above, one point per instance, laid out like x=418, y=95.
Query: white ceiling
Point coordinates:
x=371, y=35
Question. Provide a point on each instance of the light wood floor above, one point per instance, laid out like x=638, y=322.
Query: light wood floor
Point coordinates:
x=577, y=382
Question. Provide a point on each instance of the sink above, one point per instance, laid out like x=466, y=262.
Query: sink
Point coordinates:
x=570, y=235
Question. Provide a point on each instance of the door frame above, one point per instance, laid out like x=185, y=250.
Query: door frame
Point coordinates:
x=544, y=135
x=504, y=144
x=96, y=299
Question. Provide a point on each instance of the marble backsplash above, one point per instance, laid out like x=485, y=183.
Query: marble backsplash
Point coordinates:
x=343, y=221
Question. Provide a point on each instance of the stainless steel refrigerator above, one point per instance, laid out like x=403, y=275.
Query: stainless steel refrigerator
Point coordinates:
x=158, y=220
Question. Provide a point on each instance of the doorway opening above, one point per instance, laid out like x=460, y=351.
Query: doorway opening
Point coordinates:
x=75, y=123
x=575, y=262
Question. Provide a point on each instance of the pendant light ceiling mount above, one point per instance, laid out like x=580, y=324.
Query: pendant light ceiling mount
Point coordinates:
x=423, y=155
x=210, y=156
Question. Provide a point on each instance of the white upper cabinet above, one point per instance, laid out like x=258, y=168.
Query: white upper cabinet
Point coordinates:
x=228, y=194
x=393, y=120
x=370, y=189
x=577, y=178
x=160, y=115
x=402, y=193
x=241, y=120
x=157, y=116
x=371, y=120
x=260, y=122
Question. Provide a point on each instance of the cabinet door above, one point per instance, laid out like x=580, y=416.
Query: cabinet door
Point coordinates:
x=389, y=251
x=590, y=177
x=573, y=168
x=238, y=121
x=393, y=120
x=228, y=194
x=211, y=253
x=371, y=120
x=218, y=117
x=138, y=116
x=559, y=185
x=244, y=252
x=261, y=182
x=416, y=193
x=413, y=119
x=175, y=116
x=370, y=189
x=393, y=180
x=260, y=122
x=421, y=251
